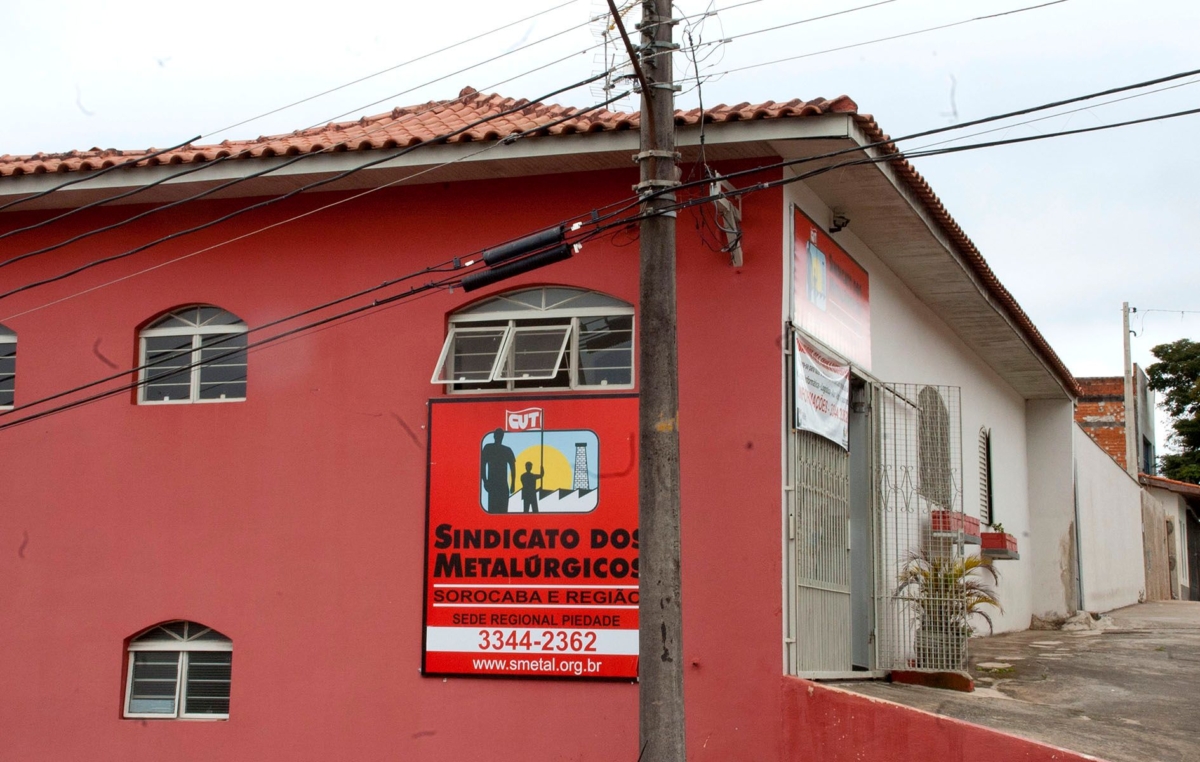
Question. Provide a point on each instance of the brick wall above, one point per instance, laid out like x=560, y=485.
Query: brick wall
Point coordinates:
x=1101, y=413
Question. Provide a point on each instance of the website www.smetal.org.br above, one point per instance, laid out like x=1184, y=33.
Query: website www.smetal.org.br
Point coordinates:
x=548, y=664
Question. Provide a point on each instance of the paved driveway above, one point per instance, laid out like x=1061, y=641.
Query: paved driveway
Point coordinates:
x=1128, y=694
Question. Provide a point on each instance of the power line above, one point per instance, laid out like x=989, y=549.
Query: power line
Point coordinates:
x=1061, y=114
x=309, y=186
x=886, y=39
x=302, y=156
x=363, y=292
x=180, y=173
x=600, y=229
x=244, y=151
x=328, y=149
x=890, y=141
x=855, y=149
x=892, y=157
x=451, y=265
x=250, y=345
x=804, y=21
x=392, y=68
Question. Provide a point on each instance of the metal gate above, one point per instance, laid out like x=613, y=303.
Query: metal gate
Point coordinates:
x=819, y=527
x=912, y=451
x=919, y=526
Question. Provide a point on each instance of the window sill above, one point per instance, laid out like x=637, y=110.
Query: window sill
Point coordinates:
x=185, y=718
x=150, y=403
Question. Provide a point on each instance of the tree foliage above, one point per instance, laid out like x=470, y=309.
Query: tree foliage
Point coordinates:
x=1176, y=376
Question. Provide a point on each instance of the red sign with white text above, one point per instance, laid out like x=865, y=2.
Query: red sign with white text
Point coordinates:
x=531, y=560
x=832, y=293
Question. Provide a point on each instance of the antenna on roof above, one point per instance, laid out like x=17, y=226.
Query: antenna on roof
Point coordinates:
x=611, y=56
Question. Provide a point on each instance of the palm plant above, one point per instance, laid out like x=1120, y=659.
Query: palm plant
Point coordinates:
x=946, y=592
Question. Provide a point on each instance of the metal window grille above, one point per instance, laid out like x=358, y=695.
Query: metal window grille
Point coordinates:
x=918, y=471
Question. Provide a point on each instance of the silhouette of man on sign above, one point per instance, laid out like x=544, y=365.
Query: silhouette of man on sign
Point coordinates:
x=498, y=471
x=529, y=480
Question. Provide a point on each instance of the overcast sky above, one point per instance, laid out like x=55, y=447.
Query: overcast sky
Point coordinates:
x=1072, y=226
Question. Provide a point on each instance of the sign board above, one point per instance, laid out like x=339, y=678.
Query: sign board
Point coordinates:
x=822, y=394
x=831, y=293
x=531, y=546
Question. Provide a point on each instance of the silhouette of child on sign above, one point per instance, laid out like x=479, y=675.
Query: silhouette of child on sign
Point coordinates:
x=529, y=482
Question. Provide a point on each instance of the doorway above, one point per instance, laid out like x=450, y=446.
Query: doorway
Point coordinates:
x=831, y=548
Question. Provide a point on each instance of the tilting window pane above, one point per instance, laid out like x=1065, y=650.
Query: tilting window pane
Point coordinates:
x=208, y=678
x=8, y=371
x=154, y=685
x=223, y=368
x=471, y=354
x=606, y=350
x=535, y=353
x=168, y=375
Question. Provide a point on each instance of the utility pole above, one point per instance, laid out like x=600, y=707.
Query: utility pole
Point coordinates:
x=660, y=612
x=1131, y=444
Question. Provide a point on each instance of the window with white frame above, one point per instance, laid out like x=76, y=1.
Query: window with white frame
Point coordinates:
x=8, y=367
x=193, y=354
x=179, y=670
x=539, y=338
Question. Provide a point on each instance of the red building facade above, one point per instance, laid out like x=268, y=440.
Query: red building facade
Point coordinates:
x=293, y=522
x=271, y=545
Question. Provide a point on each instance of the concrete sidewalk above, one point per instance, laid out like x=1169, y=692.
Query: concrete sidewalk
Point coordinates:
x=1128, y=694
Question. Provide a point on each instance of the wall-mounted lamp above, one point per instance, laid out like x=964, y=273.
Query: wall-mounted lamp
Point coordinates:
x=839, y=222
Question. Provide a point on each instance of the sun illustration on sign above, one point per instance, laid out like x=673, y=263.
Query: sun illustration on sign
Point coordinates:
x=555, y=467
x=552, y=471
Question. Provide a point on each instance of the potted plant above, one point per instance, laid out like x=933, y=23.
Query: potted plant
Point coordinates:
x=997, y=545
x=946, y=593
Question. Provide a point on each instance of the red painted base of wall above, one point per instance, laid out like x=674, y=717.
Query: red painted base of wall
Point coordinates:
x=832, y=725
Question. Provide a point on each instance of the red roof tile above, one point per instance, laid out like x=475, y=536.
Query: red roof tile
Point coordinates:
x=406, y=126
x=1182, y=488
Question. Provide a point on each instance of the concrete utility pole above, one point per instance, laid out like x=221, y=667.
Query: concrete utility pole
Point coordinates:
x=660, y=692
x=1131, y=443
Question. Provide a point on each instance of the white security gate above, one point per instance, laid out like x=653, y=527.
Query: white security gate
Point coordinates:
x=819, y=524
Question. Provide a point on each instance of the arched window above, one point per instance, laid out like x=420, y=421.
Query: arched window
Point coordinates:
x=194, y=354
x=179, y=670
x=8, y=367
x=539, y=338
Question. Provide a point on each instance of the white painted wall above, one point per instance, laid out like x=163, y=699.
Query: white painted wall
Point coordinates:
x=911, y=344
x=1110, y=529
x=1052, y=543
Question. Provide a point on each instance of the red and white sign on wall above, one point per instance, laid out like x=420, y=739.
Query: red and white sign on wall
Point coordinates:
x=531, y=548
x=831, y=293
